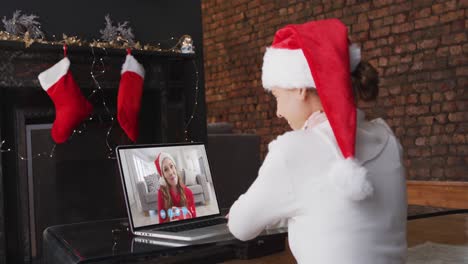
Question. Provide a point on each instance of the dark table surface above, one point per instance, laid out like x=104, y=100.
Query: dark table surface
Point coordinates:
x=110, y=241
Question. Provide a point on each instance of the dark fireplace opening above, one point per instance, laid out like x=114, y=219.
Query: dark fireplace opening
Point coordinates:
x=80, y=182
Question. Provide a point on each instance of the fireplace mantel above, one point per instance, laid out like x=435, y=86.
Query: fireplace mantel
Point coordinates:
x=19, y=66
x=167, y=103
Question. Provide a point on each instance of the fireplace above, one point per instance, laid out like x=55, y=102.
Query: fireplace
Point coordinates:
x=79, y=182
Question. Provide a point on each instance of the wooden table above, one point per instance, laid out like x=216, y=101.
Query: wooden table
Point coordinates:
x=444, y=228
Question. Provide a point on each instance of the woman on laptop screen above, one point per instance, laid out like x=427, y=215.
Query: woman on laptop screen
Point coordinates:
x=175, y=200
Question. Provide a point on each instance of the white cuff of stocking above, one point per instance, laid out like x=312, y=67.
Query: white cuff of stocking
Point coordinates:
x=50, y=76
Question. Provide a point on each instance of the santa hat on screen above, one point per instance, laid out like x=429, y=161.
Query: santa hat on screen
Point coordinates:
x=158, y=162
x=318, y=55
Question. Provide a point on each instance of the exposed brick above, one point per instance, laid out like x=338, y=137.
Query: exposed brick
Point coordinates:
x=458, y=25
x=457, y=61
x=462, y=150
x=399, y=111
x=439, y=75
x=449, y=128
x=444, y=7
x=420, y=141
x=454, y=39
x=441, y=118
x=400, y=7
x=425, y=98
x=455, y=172
x=360, y=27
x=400, y=18
x=459, y=139
x=388, y=20
x=452, y=161
x=428, y=43
x=442, y=51
x=462, y=105
x=437, y=172
x=439, y=150
x=451, y=16
x=377, y=13
x=435, y=108
x=421, y=13
x=462, y=71
x=418, y=47
x=412, y=99
x=380, y=32
x=417, y=110
x=458, y=117
x=401, y=28
x=456, y=50
x=426, y=22
x=425, y=131
x=449, y=95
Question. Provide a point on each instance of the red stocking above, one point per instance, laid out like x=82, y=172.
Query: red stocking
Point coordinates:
x=71, y=107
x=129, y=96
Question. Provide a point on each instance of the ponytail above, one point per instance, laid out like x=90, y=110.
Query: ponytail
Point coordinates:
x=365, y=80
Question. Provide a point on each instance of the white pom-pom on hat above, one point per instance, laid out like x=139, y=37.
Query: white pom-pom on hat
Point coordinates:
x=350, y=179
x=354, y=56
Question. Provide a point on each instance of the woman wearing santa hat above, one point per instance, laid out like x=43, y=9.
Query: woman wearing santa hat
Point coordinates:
x=336, y=178
x=175, y=200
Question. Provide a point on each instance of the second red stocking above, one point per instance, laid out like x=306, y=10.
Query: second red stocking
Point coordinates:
x=129, y=96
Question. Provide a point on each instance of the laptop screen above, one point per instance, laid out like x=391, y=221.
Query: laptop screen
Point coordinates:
x=166, y=183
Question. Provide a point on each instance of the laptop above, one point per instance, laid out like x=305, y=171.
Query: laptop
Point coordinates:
x=198, y=218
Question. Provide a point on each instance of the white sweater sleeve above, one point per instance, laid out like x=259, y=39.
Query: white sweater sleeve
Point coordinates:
x=269, y=199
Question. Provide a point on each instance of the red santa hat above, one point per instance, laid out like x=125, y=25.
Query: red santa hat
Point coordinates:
x=158, y=162
x=318, y=55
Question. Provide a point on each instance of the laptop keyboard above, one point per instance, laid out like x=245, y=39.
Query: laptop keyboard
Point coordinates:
x=189, y=226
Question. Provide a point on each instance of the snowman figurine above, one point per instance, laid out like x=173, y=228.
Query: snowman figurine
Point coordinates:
x=187, y=45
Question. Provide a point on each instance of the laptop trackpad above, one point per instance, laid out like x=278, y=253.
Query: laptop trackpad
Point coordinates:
x=209, y=229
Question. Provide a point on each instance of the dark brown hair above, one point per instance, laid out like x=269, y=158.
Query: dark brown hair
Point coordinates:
x=365, y=80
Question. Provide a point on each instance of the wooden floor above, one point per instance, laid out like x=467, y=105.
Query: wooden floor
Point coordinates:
x=448, y=229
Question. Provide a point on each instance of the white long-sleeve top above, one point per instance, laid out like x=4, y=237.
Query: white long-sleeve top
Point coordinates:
x=323, y=226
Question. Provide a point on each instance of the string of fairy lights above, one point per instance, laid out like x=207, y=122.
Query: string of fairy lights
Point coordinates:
x=94, y=75
x=97, y=70
x=195, y=104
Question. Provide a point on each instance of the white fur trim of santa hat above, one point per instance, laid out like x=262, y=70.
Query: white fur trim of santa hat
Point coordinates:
x=131, y=64
x=350, y=179
x=50, y=76
x=288, y=68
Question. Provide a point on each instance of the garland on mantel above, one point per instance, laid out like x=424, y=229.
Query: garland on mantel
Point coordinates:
x=25, y=28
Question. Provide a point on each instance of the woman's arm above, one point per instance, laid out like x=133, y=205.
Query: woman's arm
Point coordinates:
x=161, y=207
x=190, y=202
x=269, y=199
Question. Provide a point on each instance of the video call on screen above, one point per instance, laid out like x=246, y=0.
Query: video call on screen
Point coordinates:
x=180, y=189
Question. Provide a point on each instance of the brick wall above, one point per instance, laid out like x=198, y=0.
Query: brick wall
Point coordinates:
x=420, y=49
